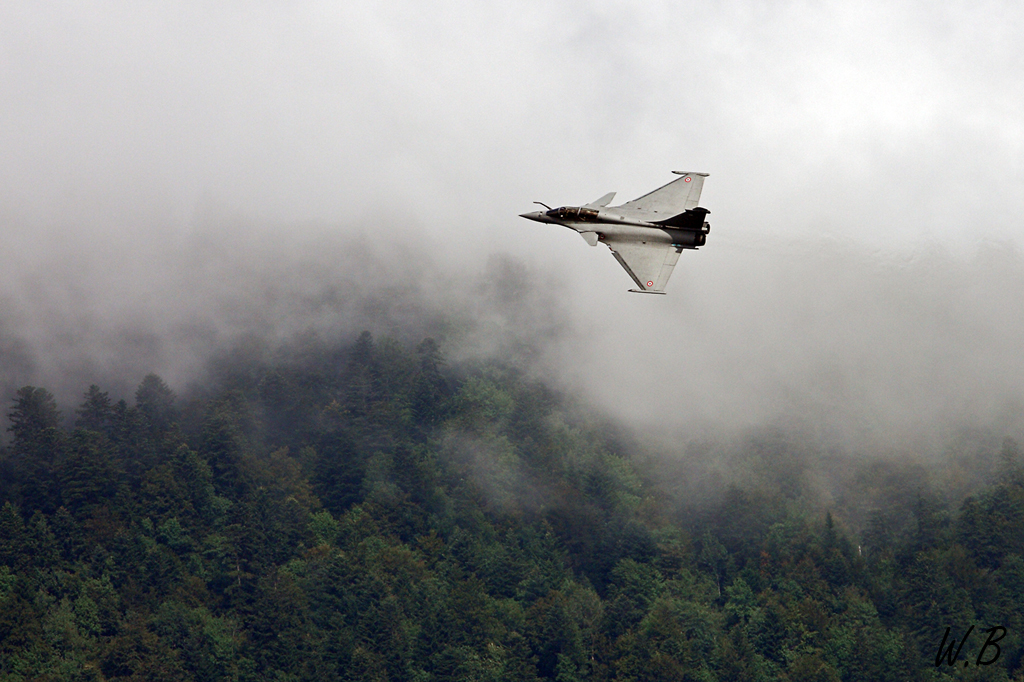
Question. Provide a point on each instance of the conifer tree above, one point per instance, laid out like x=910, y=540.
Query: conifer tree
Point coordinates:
x=96, y=411
x=156, y=402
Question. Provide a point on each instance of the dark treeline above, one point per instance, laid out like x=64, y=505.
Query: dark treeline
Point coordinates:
x=368, y=512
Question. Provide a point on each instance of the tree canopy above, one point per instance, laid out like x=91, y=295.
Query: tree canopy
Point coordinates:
x=372, y=512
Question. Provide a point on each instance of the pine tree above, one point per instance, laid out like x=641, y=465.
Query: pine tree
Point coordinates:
x=13, y=539
x=36, y=448
x=34, y=422
x=96, y=411
x=156, y=402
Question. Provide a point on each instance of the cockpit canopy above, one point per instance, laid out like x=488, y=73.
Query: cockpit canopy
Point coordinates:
x=573, y=213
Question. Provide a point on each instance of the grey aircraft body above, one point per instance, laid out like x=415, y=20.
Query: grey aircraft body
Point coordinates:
x=646, y=235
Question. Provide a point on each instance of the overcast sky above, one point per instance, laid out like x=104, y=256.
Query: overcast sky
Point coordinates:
x=866, y=187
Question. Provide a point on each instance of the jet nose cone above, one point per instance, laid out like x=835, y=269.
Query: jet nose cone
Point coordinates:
x=532, y=215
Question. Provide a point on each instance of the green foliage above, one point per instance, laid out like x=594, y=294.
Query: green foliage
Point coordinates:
x=369, y=512
x=155, y=401
x=96, y=412
x=34, y=420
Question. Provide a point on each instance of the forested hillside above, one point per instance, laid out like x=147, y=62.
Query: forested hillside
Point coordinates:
x=370, y=512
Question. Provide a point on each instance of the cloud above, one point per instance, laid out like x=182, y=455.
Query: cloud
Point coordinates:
x=176, y=177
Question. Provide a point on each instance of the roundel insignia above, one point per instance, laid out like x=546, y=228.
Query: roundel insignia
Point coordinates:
x=650, y=284
x=686, y=179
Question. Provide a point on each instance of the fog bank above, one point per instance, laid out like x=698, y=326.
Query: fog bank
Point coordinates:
x=860, y=348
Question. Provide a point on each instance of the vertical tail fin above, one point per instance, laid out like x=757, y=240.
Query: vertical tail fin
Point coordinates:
x=603, y=201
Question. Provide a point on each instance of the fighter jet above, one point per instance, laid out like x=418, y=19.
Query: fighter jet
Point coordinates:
x=645, y=235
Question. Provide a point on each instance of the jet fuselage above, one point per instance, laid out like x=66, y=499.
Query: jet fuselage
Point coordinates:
x=607, y=224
